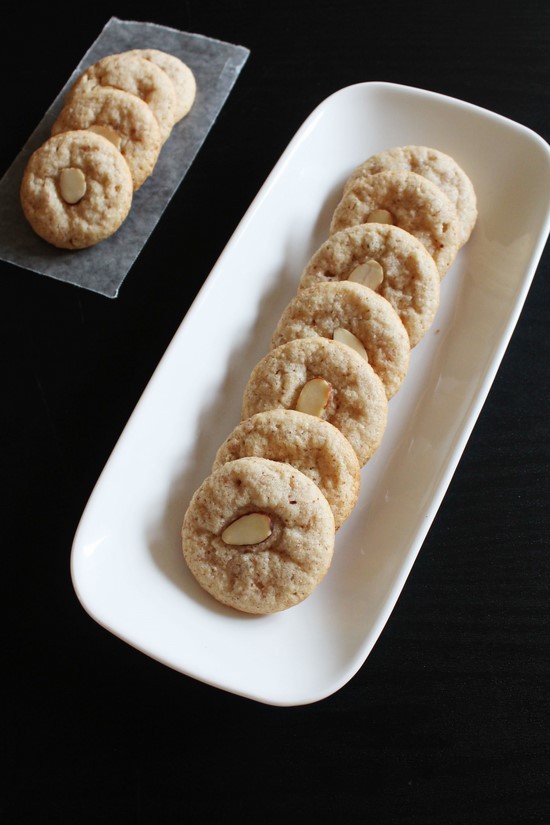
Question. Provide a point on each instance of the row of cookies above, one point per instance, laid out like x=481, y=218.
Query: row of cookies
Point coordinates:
x=77, y=187
x=339, y=353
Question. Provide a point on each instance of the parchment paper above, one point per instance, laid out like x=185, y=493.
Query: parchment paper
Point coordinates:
x=103, y=267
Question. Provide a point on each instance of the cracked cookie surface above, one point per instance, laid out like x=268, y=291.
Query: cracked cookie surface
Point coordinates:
x=311, y=445
x=277, y=572
x=179, y=73
x=357, y=403
x=408, y=277
x=127, y=116
x=435, y=165
x=136, y=76
x=409, y=201
x=324, y=308
x=104, y=203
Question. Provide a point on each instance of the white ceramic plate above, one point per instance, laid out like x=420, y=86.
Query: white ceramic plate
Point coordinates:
x=127, y=566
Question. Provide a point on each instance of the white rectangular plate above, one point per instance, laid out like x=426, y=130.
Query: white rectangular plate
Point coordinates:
x=127, y=566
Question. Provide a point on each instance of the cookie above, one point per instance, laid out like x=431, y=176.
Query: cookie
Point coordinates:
x=309, y=444
x=387, y=259
x=137, y=76
x=258, y=535
x=409, y=201
x=439, y=168
x=323, y=378
x=123, y=118
x=338, y=309
x=179, y=73
x=76, y=189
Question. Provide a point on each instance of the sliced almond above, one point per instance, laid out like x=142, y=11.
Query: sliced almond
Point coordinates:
x=344, y=336
x=106, y=132
x=250, y=529
x=72, y=184
x=380, y=216
x=314, y=396
x=369, y=274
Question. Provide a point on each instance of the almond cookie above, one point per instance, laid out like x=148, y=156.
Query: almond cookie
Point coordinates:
x=387, y=259
x=258, y=535
x=438, y=167
x=313, y=446
x=326, y=379
x=407, y=200
x=137, y=76
x=179, y=73
x=122, y=118
x=356, y=316
x=76, y=189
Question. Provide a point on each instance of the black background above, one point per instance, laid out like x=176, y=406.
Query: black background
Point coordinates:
x=447, y=720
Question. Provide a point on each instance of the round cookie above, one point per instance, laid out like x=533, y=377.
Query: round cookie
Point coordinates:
x=76, y=189
x=123, y=118
x=407, y=200
x=327, y=309
x=137, y=76
x=258, y=535
x=387, y=259
x=313, y=446
x=438, y=167
x=354, y=397
x=179, y=73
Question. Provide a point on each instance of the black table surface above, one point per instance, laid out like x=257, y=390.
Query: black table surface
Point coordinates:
x=447, y=720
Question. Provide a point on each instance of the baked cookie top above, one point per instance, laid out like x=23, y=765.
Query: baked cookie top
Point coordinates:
x=387, y=259
x=258, y=535
x=323, y=378
x=313, y=446
x=137, y=76
x=336, y=310
x=123, y=118
x=179, y=73
x=438, y=167
x=76, y=189
x=407, y=200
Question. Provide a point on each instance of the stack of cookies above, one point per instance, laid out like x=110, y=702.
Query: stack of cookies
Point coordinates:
x=258, y=534
x=77, y=187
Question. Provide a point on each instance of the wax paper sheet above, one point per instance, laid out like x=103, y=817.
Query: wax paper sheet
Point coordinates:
x=103, y=267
